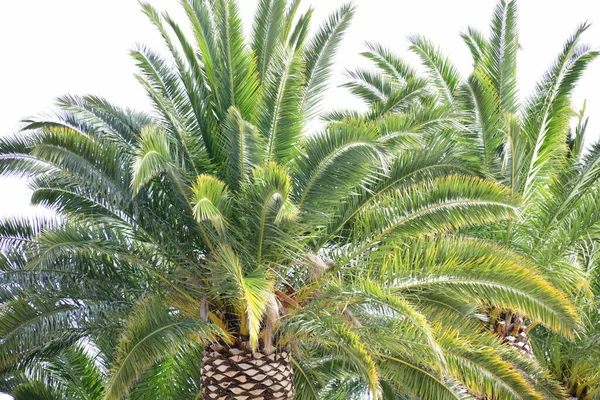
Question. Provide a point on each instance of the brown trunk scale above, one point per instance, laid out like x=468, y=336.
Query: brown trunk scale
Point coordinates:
x=237, y=373
x=511, y=328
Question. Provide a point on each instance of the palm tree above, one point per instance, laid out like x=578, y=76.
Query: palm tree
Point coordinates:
x=294, y=265
x=526, y=146
x=575, y=362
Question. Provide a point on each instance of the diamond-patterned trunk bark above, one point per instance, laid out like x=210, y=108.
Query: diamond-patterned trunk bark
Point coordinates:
x=235, y=372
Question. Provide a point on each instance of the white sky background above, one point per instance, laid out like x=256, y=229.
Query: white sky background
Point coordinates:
x=50, y=48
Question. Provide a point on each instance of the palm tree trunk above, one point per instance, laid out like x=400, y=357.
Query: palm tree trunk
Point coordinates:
x=511, y=328
x=236, y=372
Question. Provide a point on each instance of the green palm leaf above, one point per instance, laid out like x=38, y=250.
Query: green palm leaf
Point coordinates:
x=443, y=74
x=318, y=57
x=152, y=333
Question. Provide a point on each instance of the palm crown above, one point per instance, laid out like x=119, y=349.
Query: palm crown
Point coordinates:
x=528, y=146
x=217, y=223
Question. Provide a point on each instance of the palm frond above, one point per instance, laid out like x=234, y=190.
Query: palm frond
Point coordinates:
x=250, y=291
x=500, y=60
x=388, y=62
x=152, y=333
x=476, y=42
x=318, y=57
x=548, y=112
x=484, y=271
x=443, y=74
x=153, y=157
x=236, y=73
x=447, y=203
x=268, y=205
x=280, y=118
x=210, y=201
x=243, y=145
x=267, y=32
x=334, y=161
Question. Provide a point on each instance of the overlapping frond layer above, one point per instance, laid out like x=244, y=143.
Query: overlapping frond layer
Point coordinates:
x=367, y=252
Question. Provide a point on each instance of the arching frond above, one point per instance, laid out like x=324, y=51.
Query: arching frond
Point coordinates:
x=248, y=290
x=335, y=161
x=443, y=74
x=408, y=376
x=243, y=146
x=547, y=115
x=476, y=42
x=267, y=31
x=500, y=60
x=153, y=157
x=443, y=204
x=318, y=57
x=210, y=201
x=393, y=67
x=236, y=72
x=280, y=117
x=267, y=199
x=511, y=281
